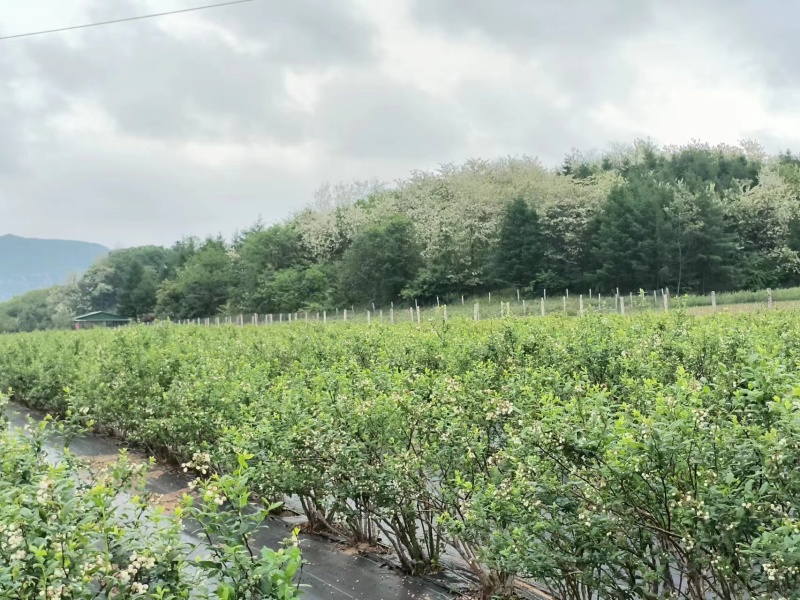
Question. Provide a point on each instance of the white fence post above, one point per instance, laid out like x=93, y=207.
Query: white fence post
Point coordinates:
x=714, y=301
x=769, y=297
x=542, y=305
x=580, y=305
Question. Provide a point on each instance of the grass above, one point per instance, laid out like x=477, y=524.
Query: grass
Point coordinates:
x=490, y=306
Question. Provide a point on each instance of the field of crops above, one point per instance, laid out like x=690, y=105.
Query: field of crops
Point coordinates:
x=601, y=457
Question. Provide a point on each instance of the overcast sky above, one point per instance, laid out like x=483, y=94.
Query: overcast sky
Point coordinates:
x=198, y=123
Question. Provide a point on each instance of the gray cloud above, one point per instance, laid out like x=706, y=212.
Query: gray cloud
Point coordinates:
x=584, y=26
x=767, y=31
x=306, y=33
x=579, y=42
x=520, y=122
x=122, y=194
x=367, y=115
x=139, y=184
x=154, y=84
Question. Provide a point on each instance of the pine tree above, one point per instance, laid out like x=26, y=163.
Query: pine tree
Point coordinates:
x=518, y=254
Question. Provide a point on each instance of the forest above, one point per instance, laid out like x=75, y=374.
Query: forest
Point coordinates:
x=693, y=218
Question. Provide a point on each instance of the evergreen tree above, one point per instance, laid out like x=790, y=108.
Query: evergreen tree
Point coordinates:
x=632, y=242
x=518, y=253
x=382, y=260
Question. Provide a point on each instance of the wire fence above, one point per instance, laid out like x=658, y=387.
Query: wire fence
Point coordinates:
x=506, y=306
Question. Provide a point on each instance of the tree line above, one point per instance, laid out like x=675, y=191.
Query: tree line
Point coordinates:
x=694, y=218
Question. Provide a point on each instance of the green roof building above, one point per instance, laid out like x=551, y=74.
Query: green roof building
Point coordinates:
x=99, y=318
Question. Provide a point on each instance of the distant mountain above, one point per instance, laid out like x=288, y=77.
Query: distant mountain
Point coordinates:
x=28, y=263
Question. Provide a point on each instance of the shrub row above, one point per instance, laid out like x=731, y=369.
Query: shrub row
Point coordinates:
x=600, y=457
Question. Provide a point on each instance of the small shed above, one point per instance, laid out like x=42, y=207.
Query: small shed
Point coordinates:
x=99, y=318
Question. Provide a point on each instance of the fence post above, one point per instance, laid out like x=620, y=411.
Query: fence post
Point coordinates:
x=373, y=307
x=255, y=318
x=666, y=301
x=590, y=293
x=544, y=293
x=271, y=319
x=241, y=320
x=369, y=319
x=391, y=315
x=616, y=301
x=418, y=315
x=462, y=299
x=524, y=310
x=714, y=301
x=769, y=297
x=490, y=297
x=567, y=292
x=476, y=312
x=580, y=305
x=437, y=302
x=324, y=317
x=622, y=305
x=517, y=294
x=345, y=314
x=411, y=313
x=631, y=300
x=599, y=302
x=381, y=315
x=217, y=321
x=542, y=305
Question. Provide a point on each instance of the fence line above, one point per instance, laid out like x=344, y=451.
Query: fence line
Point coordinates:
x=565, y=304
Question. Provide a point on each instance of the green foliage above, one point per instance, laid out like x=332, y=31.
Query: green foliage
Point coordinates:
x=518, y=257
x=602, y=457
x=693, y=219
x=69, y=531
x=380, y=263
x=202, y=286
x=29, y=312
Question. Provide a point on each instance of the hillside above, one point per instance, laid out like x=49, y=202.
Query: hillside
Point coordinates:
x=28, y=264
